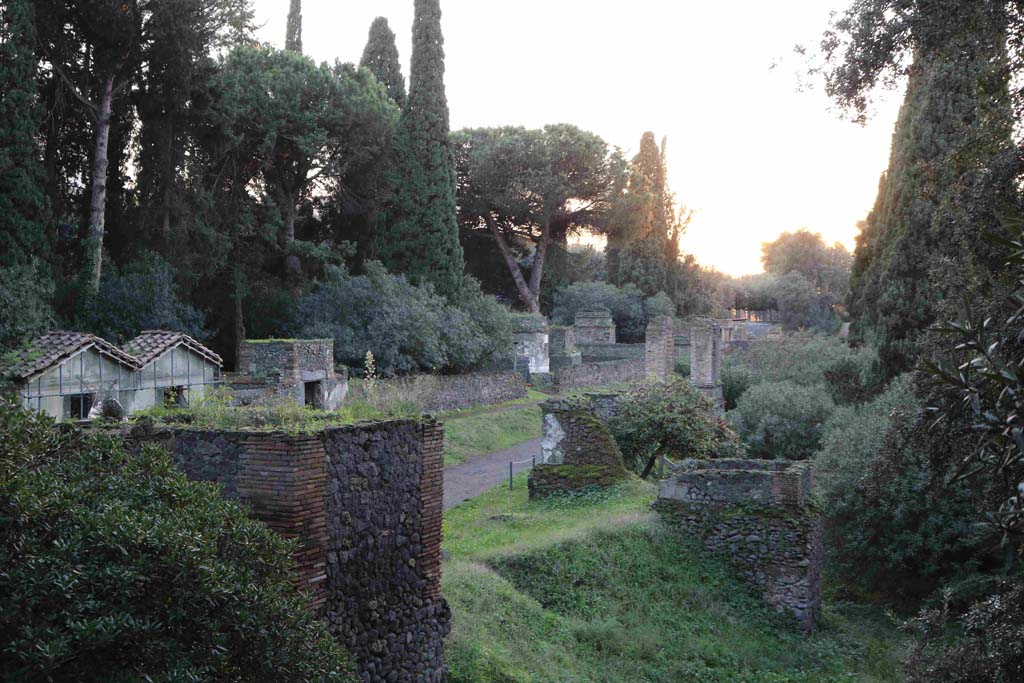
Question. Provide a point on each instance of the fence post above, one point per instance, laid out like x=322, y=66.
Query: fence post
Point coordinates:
x=509, y=475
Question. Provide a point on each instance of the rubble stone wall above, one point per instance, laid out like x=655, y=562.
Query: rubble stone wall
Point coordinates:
x=759, y=515
x=363, y=503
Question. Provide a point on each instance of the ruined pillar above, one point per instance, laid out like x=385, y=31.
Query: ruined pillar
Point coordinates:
x=660, y=348
x=706, y=361
x=530, y=337
x=562, y=348
x=595, y=327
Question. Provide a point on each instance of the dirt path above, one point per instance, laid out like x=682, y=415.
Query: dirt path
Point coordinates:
x=484, y=472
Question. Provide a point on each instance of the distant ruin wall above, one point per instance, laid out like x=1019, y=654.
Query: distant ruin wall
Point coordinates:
x=758, y=514
x=439, y=393
x=599, y=374
x=363, y=502
x=660, y=348
x=594, y=327
x=599, y=353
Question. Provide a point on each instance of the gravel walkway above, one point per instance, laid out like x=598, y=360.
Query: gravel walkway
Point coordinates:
x=483, y=472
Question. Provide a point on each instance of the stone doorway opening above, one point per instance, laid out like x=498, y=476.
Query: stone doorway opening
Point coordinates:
x=314, y=394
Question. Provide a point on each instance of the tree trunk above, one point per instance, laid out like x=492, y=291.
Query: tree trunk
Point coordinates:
x=539, y=258
x=239, y=319
x=525, y=293
x=98, y=203
x=292, y=264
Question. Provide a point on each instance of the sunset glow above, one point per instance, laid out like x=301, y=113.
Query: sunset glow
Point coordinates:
x=749, y=151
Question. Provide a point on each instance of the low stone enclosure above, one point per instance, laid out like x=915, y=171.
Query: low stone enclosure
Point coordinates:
x=299, y=371
x=441, y=393
x=364, y=504
x=577, y=451
x=758, y=514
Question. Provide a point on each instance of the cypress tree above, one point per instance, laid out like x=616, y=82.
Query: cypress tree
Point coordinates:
x=951, y=170
x=640, y=249
x=421, y=238
x=293, y=34
x=22, y=202
x=381, y=58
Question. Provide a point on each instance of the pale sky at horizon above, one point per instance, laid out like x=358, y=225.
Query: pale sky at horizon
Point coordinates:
x=748, y=151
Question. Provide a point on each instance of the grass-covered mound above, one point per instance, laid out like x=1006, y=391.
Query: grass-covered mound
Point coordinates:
x=115, y=567
x=594, y=588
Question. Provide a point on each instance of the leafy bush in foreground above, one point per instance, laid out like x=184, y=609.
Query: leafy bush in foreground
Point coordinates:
x=116, y=568
x=670, y=418
x=782, y=420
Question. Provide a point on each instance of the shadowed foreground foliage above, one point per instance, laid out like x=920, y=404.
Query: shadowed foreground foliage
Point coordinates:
x=114, y=567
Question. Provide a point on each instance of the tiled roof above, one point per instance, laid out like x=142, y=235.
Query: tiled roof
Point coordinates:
x=151, y=344
x=54, y=347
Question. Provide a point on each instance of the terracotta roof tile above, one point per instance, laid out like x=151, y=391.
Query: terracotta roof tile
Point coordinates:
x=151, y=344
x=54, y=347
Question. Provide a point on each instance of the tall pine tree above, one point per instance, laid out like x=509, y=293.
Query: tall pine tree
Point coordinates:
x=421, y=238
x=22, y=201
x=293, y=34
x=951, y=170
x=381, y=58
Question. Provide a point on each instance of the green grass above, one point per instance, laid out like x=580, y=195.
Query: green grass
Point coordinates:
x=478, y=433
x=594, y=588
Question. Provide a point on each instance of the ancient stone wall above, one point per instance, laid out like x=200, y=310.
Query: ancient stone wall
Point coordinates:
x=438, y=393
x=599, y=374
x=563, y=350
x=594, y=327
x=531, y=343
x=758, y=514
x=363, y=503
x=297, y=371
x=577, y=452
x=599, y=353
x=706, y=361
x=660, y=347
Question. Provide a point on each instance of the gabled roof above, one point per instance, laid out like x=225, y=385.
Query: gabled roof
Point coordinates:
x=55, y=347
x=151, y=344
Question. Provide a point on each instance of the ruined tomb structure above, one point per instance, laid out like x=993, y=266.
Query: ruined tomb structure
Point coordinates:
x=758, y=514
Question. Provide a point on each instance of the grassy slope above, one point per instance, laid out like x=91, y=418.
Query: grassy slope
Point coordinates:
x=478, y=431
x=596, y=589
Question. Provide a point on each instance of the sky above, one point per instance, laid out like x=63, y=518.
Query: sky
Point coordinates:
x=749, y=150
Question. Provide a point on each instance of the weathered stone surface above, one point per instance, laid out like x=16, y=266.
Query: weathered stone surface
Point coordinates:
x=595, y=327
x=758, y=514
x=531, y=343
x=576, y=450
x=363, y=503
x=660, y=347
x=276, y=371
x=552, y=480
x=706, y=360
x=563, y=352
x=440, y=393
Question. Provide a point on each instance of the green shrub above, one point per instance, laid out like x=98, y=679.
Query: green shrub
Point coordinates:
x=854, y=435
x=630, y=311
x=897, y=524
x=116, y=568
x=408, y=328
x=735, y=382
x=25, y=310
x=670, y=418
x=854, y=379
x=800, y=358
x=142, y=295
x=782, y=420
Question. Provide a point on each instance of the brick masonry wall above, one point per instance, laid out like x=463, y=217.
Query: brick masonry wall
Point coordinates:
x=600, y=374
x=757, y=514
x=594, y=327
x=438, y=393
x=384, y=498
x=599, y=353
x=363, y=503
x=660, y=347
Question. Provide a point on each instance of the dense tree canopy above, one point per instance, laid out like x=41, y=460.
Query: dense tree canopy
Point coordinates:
x=527, y=187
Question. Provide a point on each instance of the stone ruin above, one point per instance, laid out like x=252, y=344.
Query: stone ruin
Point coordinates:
x=660, y=348
x=757, y=513
x=531, y=343
x=577, y=451
x=363, y=505
x=595, y=327
x=706, y=361
x=288, y=370
x=562, y=348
